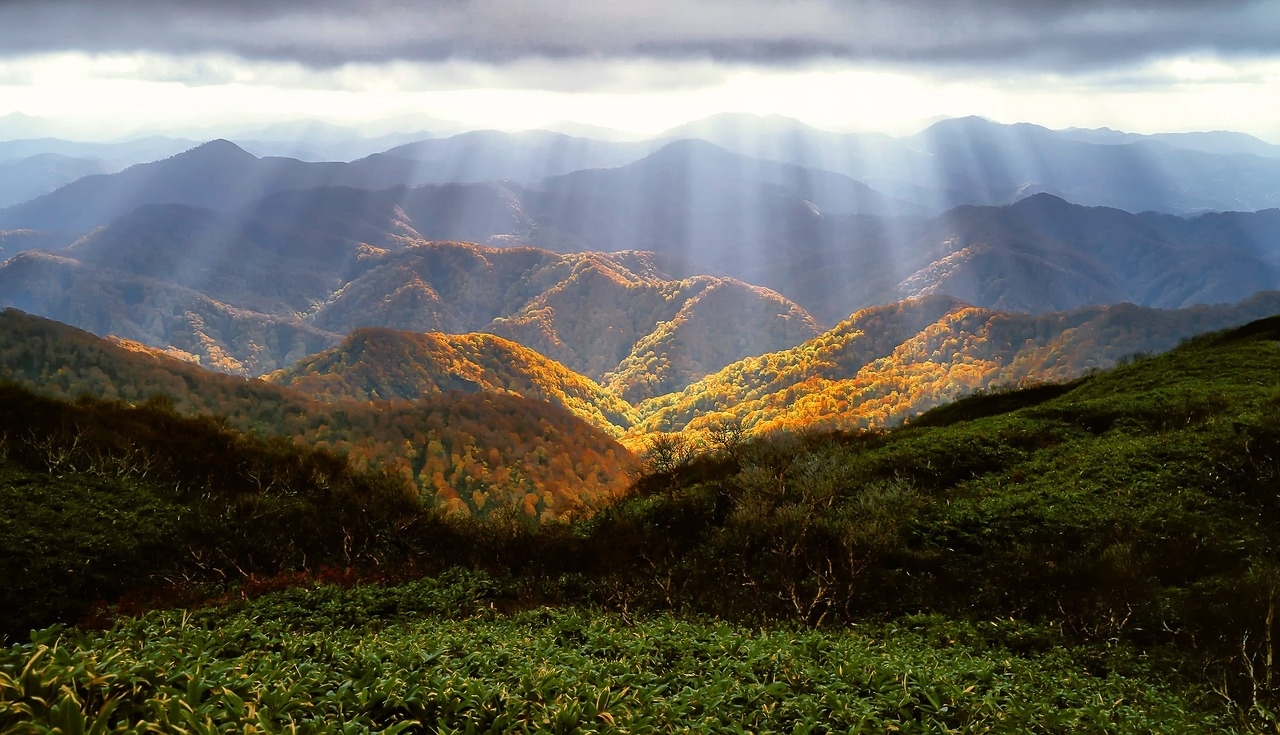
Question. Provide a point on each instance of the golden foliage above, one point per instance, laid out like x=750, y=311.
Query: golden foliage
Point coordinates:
x=453, y=445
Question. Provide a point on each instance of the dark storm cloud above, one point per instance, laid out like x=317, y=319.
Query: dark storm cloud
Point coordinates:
x=1064, y=35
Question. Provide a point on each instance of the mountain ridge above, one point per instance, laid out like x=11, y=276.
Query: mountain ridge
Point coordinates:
x=425, y=364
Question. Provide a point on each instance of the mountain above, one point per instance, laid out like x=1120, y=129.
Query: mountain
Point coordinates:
x=980, y=162
x=185, y=322
x=115, y=156
x=881, y=161
x=1040, y=254
x=275, y=248
x=705, y=210
x=610, y=316
x=379, y=364
x=1045, y=254
x=887, y=364
x=525, y=157
x=216, y=175
x=292, y=250
x=996, y=164
x=30, y=177
x=255, y=296
x=470, y=453
x=692, y=182
x=291, y=253
x=1214, y=141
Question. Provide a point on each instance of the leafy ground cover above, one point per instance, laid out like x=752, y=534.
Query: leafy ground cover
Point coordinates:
x=434, y=656
x=1126, y=523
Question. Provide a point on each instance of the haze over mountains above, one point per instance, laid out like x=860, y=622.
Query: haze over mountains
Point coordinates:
x=633, y=283
x=826, y=240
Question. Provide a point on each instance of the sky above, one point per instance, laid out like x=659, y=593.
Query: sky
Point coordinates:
x=112, y=68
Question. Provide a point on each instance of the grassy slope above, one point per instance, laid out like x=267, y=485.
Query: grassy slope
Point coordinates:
x=1134, y=510
x=434, y=655
x=1139, y=504
x=98, y=501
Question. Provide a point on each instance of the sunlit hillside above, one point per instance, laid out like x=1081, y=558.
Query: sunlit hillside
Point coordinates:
x=595, y=313
x=381, y=364
x=887, y=364
x=472, y=453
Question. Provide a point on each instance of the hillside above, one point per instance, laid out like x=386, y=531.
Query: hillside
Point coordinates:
x=1044, y=253
x=290, y=251
x=1134, y=505
x=1097, y=555
x=379, y=364
x=180, y=320
x=289, y=282
x=469, y=453
x=100, y=501
x=595, y=313
x=887, y=364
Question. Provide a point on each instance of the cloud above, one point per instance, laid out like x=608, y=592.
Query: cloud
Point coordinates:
x=1056, y=35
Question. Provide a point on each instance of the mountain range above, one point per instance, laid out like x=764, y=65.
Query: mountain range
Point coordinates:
x=670, y=283
x=747, y=370
x=702, y=209
x=883, y=366
x=261, y=306
x=976, y=161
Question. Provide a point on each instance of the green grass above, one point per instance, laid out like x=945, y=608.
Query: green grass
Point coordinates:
x=70, y=541
x=432, y=656
x=1126, y=529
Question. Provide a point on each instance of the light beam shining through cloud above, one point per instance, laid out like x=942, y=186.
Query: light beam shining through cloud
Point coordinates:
x=123, y=66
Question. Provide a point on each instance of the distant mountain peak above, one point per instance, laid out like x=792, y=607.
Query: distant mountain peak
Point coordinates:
x=220, y=147
x=695, y=145
x=1043, y=199
x=968, y=121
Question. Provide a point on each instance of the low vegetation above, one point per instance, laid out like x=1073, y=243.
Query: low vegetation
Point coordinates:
x=435, y=656
x=1107, y=545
